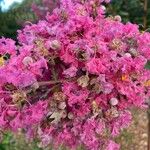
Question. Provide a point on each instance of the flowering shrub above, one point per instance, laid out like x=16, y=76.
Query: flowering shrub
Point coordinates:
x=73, y=77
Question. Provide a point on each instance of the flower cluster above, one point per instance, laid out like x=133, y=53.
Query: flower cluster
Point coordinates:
x=73, y=77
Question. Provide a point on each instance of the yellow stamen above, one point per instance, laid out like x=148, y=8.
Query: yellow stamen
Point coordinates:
x=147, y=83
x=42, y=50
x=124, y=77
x=94, y=104
x=116, y=44
x=2, y=61
x=95, y=107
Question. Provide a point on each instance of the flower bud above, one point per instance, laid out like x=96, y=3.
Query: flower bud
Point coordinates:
x=113, y=101
x=62, y=105
x=103, y=8
x=55, y=45
x=127, y=54
x=27, y=61
x=70, y=115
x=117, y=18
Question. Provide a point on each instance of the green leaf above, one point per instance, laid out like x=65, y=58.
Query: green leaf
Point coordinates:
x=147, y=66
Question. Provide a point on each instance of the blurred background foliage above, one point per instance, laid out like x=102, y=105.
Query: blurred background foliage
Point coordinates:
x=132, y=10
x=13, y=19
x=17, y=142
x=32, y=10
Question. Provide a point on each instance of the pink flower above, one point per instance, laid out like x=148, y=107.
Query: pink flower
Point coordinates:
x=112, y=146
x=95, y=66
x=70, y=72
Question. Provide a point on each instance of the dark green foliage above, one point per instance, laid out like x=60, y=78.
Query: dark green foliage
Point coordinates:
x=8, y=25
x=14, y=18
x=129, y=10
x=147, y=66
x=17, y=142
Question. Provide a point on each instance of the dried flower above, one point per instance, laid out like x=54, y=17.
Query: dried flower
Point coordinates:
x=111, y=113
x=59, y=96
x=19, y=97
x=83, y=81
x=95, y=86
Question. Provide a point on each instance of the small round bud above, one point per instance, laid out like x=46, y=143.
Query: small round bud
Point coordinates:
x=55, y=45
x=117, y=18
x=113, y=101
x=27, y=61
x=62, y=105
x=103, y=8
x=70, y=115
x=127, y=54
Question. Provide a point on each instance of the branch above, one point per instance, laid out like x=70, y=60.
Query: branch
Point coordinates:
x=45, y=83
